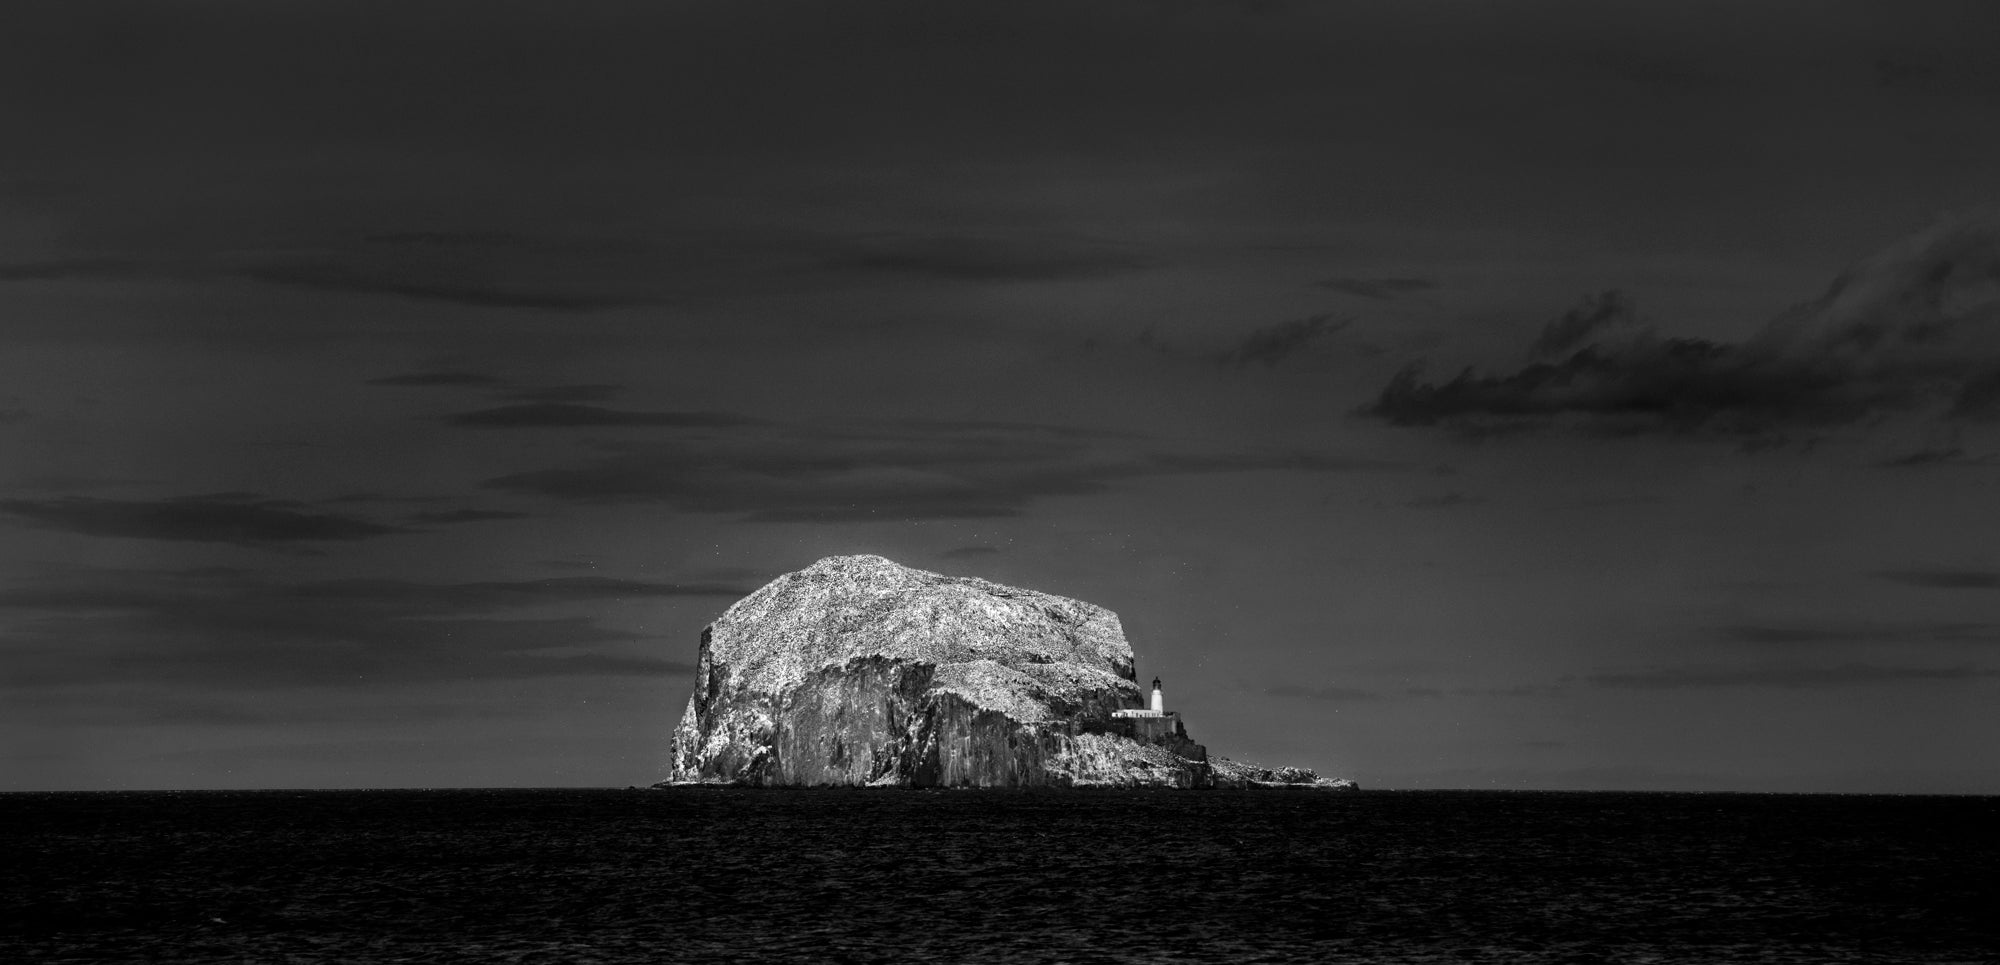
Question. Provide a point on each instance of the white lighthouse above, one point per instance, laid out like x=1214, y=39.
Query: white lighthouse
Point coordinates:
x=1155, y=711
x=1153, y=723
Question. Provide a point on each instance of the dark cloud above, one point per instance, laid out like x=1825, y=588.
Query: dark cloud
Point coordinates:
x=592, y=392
x=1443, y=501
x=538, y=268
x=336, y=277
x=1944, y=579
x=1590, y=317
x=1931, y=458
x=1683, y=384
x=1516, y=690
x=451, y=238
x=549, y=415
x=74, y=268
x=126, y=704
x=1666, y=74
x=677, y=263
x=1907, y=67
x=180, y=590
x=1011, y=428
x=354, y=652
x=1377, y=288
x=379, y=498
x=564, y=393
x=1154, y=463
x=1978, y=399
x=406, y=596
x=1322, y=693
x=1916, y=327
x=436, y=378
x=460, y=241
x=231, y=628
x=466, y=516
x=1790, y=678
x=865, y=471
x=1275, y=343
x=1415, y=693
x=876, y=508
x=989, y=259
x=1866, y=633
x=241, y=518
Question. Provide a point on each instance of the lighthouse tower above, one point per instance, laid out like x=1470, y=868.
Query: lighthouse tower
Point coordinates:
x=1153, y=723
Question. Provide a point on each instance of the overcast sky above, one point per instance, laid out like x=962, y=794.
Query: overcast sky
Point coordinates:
x=1455, y=394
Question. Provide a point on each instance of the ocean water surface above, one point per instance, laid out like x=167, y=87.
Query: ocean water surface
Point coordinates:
x=717, y=875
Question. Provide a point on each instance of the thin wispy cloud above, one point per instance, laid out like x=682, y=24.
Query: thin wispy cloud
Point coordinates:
x=60, y=270
x=502, y=388
x=1448, y=500
x=242, y=518
x=1513, y=690
x=147, y=705
x=1377, y=288
x=1295, y=691
x=452, y=238
x=186, y=591
x=1907, y=67
x=357, y=652
x=864, y=471
x=232, y=628
x=371, y=497
x=595, y=392
x=333, y=277
x=466, y=516
x=1275, y=343
x=560, y=415
x=1591, y=317
x=1881, y=633
x=410, y=595
x=1936, y=458
x=1786, y=677
x=985, y=259
x=440, y=378
x=1944, y=579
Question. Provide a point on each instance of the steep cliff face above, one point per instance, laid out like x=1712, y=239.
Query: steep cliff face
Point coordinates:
x=857, y=670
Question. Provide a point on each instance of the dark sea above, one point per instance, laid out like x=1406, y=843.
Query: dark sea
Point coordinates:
x=718, y=875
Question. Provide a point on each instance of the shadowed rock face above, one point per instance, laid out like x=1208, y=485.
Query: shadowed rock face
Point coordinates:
x=857, y=670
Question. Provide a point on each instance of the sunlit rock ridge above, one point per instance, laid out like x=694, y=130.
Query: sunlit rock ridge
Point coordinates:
x=859, y=671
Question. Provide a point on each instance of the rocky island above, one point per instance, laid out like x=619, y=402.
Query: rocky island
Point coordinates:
x=859, y=671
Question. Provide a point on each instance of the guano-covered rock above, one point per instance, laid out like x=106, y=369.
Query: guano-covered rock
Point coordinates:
x=859, y=671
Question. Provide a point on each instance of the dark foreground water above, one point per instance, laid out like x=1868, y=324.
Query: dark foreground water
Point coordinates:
x=704, y=875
